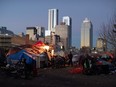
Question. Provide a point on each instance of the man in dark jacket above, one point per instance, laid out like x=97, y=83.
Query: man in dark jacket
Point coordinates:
x=70, y=59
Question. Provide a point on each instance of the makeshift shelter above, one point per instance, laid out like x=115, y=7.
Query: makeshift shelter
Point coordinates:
x=39, y=43
x=13, y=50
x=36, y=48
x=29, y=52
x=19, y=56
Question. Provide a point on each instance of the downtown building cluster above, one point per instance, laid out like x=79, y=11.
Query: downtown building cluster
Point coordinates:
x=59, y=34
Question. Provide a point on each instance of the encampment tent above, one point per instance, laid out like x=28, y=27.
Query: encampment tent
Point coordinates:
x=19, y=56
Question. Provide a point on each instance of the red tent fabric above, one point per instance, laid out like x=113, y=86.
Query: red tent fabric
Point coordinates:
x=39, y=43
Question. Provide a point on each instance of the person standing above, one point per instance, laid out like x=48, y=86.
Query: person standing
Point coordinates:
x=70, y=56
x=28, y=68
x=87, y=64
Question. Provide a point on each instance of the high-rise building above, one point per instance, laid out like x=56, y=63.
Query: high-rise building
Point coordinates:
x=67, y=20
x=63, y=32
x=52, y=19
x=86, y=34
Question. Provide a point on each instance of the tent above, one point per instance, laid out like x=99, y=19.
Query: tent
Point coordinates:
x=13, y=50
x=20, y=55
x=29, y=52
x=39, y=43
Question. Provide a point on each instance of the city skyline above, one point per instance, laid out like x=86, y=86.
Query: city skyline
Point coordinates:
x=17, y=15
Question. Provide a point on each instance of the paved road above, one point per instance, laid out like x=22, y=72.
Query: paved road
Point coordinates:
x=60, y=78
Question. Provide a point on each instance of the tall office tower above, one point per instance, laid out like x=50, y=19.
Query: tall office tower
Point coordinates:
x=67, y=20
x=63, y=32
x=52, y=19
x=86, y=34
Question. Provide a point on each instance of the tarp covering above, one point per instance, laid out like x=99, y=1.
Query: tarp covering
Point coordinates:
x=13, y=50
x=28, y=57
x=26, y=51
x=16, y=56
x=21, y=54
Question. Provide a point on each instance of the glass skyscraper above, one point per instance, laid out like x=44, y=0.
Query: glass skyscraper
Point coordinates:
x=52, y=19
x=86, y=34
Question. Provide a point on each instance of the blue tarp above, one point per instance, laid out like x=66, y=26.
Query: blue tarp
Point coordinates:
x=28, y=57
x=19, y=55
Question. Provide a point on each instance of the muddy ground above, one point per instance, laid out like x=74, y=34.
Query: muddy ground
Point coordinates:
x=59, y=78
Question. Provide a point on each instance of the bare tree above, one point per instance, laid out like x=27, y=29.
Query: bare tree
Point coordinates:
x=107, y=32
x=115, y=28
